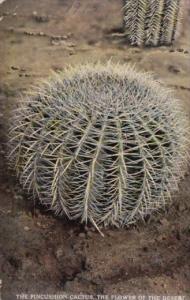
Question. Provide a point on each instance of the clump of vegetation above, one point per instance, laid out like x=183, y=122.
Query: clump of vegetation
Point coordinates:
x=152, y=22
x=100, y=143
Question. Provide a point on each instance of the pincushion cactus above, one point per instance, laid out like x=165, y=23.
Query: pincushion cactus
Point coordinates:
x=152, y=22
x=100, y=143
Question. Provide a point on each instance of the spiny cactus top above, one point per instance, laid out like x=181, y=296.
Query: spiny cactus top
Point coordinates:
x=152, y=22
x=100, y=143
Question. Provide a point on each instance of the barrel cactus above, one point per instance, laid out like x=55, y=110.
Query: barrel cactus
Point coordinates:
x=100, y=143
x=152, y=22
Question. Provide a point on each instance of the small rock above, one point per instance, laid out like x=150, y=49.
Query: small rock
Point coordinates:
x=28, y=33
x=41, y=33
x=14, y=68
x=60, y=37
x=82, y=235
x=57, y=42
x=89, y=234
x=173, y=69
x=180, y=50
x=40, y=19
x=26, y=228
x=59, y=253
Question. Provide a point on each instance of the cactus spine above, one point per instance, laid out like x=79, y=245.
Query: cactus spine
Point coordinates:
x=152, y=22
x=101, y=143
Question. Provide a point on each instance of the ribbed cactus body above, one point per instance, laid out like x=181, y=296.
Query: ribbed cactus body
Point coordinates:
x=151, y=22
x=100, y=143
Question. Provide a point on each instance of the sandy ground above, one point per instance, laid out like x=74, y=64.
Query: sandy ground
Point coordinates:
x=43, y=254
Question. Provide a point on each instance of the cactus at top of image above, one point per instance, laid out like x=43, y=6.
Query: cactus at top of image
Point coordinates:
x=152, y=22
x=100, y=143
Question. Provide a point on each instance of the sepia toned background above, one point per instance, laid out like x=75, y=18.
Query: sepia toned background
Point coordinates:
x=40, y=253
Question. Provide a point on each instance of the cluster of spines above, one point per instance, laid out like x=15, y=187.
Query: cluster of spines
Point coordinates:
x=152, y=22
x=101, y=143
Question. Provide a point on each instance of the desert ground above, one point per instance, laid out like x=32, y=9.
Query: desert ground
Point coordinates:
x=41, y=253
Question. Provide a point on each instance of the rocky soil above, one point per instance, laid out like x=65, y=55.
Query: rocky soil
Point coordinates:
x=40, y=253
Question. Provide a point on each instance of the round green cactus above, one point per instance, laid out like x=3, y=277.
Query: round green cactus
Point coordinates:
x=100, y=143
x=152, y=22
